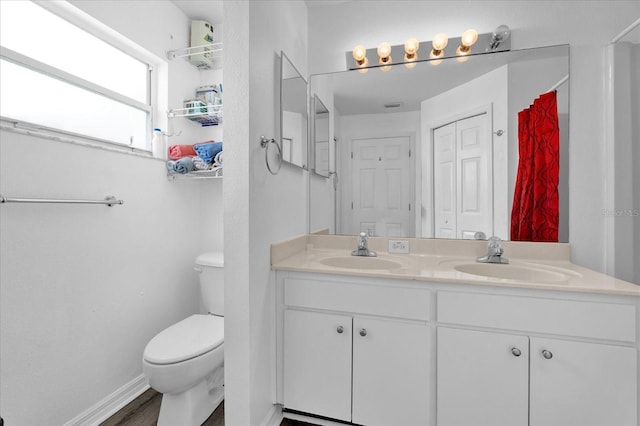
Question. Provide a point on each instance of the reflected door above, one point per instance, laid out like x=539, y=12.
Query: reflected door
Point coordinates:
x=463, y=196
x=382, y=187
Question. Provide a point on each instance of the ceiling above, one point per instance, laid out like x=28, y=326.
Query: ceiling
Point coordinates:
x=210, y=10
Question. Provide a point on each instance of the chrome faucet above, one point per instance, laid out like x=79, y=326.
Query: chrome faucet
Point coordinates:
x=494, y=253
x=363, y=246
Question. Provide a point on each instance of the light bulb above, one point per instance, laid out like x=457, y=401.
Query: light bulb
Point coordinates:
x=436, y=62
x=359, y=53
x=384, y=49
x=436, y=57
x=440, y=41
x=410, y=60
x=469, y=38
x=410, y=64
x=411, y=46
x=501, y=33
x=385, y=68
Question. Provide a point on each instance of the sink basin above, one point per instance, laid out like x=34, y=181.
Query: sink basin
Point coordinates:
x=360, y=262
x=512, y=272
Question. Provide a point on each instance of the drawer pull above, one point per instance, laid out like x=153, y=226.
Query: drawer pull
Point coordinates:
x=516, y=352
x=340, y=329
x=547, y=354
x=363, y=332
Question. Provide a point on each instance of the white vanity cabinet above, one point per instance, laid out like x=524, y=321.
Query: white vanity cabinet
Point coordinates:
x=503, y=378
x=356, y=352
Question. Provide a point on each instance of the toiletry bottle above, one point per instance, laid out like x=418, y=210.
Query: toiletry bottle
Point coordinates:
x=158, y=144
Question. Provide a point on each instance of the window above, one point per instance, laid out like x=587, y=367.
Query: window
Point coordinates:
x=57, y=75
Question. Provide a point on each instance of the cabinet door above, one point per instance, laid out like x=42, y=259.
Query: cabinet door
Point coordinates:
x=317, y=363
x=390, y=372
x=482, y=378
x=582, y=384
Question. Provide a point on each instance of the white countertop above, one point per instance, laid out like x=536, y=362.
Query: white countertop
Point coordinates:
x=436, y=260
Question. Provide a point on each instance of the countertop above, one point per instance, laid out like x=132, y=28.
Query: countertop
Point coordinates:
x=439, y=261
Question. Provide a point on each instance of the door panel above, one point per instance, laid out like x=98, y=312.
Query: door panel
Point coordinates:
x=582, y=384
x=480, y=381
x=390, y=373
x=317, y=359
x=382, y=187
x=445, y=181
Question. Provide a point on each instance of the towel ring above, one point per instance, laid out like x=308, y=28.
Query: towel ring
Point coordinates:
x=264, y=143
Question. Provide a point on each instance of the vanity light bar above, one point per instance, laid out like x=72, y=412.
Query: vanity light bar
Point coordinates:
x=397, y=53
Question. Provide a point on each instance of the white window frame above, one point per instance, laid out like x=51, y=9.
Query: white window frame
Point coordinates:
x=156, y=67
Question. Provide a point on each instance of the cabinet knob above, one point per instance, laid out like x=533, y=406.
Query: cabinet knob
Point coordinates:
x=340, y=329
x=363, y=332
x=516, y=352
x=547, y=354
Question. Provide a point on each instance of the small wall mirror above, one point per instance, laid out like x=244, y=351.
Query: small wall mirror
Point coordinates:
x=320, y=138
x=293, y=114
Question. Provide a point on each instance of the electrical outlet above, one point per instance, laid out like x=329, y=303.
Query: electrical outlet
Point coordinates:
x=398, y=246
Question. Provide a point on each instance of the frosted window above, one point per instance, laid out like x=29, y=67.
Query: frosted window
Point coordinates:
x=69, y=108
x=39, y=34
x=57, y=75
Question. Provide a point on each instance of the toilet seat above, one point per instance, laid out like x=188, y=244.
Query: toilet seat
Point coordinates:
x=189, y=338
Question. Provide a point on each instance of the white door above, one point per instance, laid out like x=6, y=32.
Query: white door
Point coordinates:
x=582, y=384
x=463, y=190
x=482, y=378
x=317, y=363
x=390, y=372
x=382, y=189
x=444, y=190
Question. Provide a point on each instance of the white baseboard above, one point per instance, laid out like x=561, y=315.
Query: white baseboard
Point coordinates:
x=110, y=405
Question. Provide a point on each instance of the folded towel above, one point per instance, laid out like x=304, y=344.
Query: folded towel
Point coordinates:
x=208, y=150
x=176, y=152
x=217, y=160
x=182, y=166
x=200, y=164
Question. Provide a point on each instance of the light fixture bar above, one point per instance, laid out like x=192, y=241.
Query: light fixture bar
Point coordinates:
x=481, y=46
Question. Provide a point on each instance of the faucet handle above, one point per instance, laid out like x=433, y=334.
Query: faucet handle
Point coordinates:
x=494, y=241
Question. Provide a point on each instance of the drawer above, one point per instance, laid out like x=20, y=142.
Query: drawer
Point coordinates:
x=358, y=298
x=609, y=321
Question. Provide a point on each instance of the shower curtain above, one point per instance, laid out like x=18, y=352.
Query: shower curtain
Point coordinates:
x=535, y=213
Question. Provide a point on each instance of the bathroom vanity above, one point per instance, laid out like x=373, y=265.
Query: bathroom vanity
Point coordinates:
x=432, y=337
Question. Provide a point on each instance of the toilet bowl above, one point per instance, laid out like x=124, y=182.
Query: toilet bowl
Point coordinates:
x=185, y=362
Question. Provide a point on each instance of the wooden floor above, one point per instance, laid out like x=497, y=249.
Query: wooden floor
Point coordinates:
x=144, y=411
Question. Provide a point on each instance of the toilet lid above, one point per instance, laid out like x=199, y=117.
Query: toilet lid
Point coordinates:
x=189, y=338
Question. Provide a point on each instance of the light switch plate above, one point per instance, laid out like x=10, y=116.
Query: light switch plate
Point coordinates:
x=398, y=246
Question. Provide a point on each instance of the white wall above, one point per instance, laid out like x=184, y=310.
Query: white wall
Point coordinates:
x=259, y=208
x=586, y=26
x=84, y=288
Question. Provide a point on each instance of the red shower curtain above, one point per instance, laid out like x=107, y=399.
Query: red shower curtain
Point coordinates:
x=534, y=216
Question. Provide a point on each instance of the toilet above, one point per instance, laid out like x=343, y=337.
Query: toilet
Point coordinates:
x=185, y=362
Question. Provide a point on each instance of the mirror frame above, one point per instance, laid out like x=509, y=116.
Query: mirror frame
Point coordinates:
x=316, y=107
x=286, y=142
x=519, y=51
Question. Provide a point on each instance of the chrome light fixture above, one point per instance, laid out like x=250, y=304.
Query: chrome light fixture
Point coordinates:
x=499, y=36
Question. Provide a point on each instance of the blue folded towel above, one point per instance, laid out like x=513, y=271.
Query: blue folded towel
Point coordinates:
x=181, y=166
x=207, y=150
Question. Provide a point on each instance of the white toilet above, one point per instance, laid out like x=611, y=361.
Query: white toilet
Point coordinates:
x=185, y=362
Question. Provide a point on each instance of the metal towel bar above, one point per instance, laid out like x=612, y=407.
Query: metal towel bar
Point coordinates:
x=109, y=200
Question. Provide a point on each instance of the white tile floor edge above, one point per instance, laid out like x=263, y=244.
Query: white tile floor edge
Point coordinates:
x=110, y=405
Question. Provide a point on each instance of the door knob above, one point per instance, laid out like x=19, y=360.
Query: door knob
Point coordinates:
x=363, y=332
x=547, y=354
x=340, y=329
x=516, y=352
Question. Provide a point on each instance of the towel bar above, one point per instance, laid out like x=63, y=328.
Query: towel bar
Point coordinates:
x=109, y=200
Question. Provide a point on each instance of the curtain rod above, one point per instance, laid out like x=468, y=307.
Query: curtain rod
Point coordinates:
x=559, y=83
x=109, y=201
x=626, y=31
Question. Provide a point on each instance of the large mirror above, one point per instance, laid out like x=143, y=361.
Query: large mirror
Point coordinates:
x=293, y=115
x=433, y=150
x=320, y=142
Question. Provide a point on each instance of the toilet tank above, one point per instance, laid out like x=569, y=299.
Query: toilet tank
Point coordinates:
x=211, y=269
